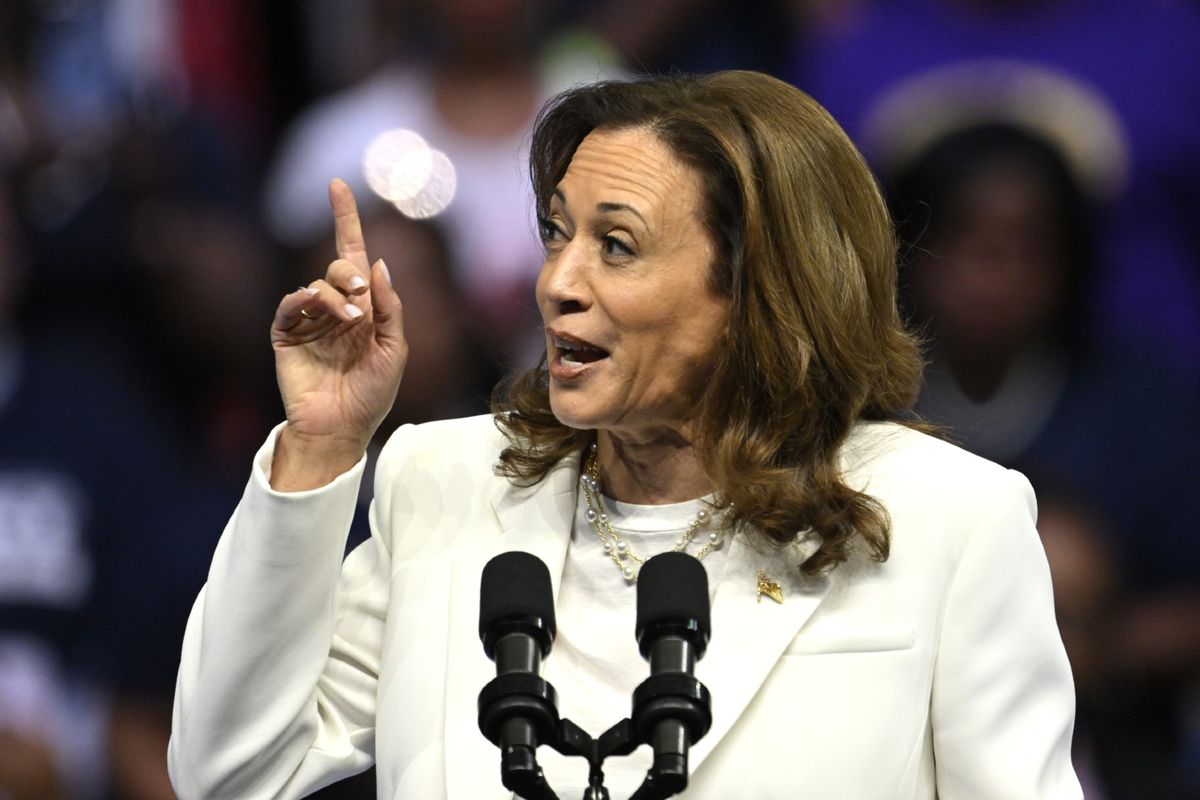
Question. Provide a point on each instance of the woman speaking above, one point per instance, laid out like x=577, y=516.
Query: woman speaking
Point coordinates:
x=725, y=376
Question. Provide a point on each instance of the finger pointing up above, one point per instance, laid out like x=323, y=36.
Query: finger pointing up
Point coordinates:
x=347, y=227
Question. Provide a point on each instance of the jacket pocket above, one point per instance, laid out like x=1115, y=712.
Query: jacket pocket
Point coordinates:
x=859, y=640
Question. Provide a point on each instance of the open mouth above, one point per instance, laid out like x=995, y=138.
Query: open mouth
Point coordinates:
x=576, y=351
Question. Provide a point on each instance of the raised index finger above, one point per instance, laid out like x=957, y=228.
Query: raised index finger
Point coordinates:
x=347, y=227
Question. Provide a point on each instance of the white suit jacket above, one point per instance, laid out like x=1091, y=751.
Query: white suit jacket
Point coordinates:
x=939, y=673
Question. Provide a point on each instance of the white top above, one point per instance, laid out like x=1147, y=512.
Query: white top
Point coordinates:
x=595, y=664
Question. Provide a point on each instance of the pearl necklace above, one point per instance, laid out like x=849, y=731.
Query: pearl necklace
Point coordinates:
x=617, y=549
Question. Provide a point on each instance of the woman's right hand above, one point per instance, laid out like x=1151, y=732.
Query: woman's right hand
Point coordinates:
x=339, y=356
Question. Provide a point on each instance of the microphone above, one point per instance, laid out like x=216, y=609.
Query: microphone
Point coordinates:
x=672, y=710
x=518, y=710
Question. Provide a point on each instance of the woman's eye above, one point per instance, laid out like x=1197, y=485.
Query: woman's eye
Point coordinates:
x=614, y=246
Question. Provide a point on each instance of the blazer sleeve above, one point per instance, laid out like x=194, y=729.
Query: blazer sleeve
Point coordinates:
x=1003, y=701
x=277, y=683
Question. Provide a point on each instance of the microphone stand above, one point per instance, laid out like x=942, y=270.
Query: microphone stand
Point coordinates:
x=531, y=699
x=662, y=697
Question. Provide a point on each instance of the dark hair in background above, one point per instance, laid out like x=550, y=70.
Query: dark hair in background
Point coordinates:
x=806, y=254
x=926, y=198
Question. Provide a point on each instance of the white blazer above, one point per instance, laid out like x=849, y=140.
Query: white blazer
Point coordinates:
x=939, y=673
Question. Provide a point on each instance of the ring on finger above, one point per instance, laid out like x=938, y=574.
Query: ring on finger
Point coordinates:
x=305, y=313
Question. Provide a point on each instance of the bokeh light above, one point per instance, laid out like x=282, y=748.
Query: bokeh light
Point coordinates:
x=403, y=169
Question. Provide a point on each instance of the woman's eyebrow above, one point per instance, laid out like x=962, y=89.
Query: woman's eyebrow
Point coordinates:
x=605, y=208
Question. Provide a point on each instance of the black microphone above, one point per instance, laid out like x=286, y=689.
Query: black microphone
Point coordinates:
x=518, y=710
x=672, y=710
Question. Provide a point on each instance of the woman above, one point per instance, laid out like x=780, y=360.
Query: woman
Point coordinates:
x=721, y=337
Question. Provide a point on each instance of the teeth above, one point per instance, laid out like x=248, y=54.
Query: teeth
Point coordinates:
x=565, y=345
x=570, y=351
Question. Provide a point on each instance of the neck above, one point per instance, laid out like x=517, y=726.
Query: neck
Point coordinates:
x=651, y=471
x=980, y=372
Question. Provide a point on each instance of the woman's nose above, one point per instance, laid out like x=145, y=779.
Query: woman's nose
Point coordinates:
x=563, y=282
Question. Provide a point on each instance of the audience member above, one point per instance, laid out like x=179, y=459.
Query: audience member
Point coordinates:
x=1128, y=70
x=1001, y=251
x=124, y=365
x=81, y=468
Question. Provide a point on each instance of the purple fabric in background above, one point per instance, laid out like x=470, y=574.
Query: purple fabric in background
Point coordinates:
x=1144, y=56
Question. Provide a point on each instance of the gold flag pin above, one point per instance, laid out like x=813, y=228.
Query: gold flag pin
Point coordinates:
x=769, y=587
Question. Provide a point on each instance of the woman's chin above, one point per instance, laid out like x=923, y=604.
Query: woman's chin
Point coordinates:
x=574, y=414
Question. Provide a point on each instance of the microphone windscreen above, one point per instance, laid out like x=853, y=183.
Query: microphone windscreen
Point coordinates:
x=672, y=588
x=515, y=584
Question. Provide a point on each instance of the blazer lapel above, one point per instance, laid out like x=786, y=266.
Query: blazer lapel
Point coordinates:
x=750, y=633
x=535, y=520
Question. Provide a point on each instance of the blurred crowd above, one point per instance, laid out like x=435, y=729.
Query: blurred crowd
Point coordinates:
x=163, y=166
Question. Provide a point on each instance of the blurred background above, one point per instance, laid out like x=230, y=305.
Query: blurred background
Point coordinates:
x=163, y=166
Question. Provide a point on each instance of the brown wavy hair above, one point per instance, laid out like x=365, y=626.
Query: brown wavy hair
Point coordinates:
x=807, y=255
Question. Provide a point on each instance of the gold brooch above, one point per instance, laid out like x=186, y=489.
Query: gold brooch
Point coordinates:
x=769, y=587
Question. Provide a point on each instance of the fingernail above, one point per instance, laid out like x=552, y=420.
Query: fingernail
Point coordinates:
x=353, y=311
x=311, y=291
x=357, y=282
x=386, y=273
